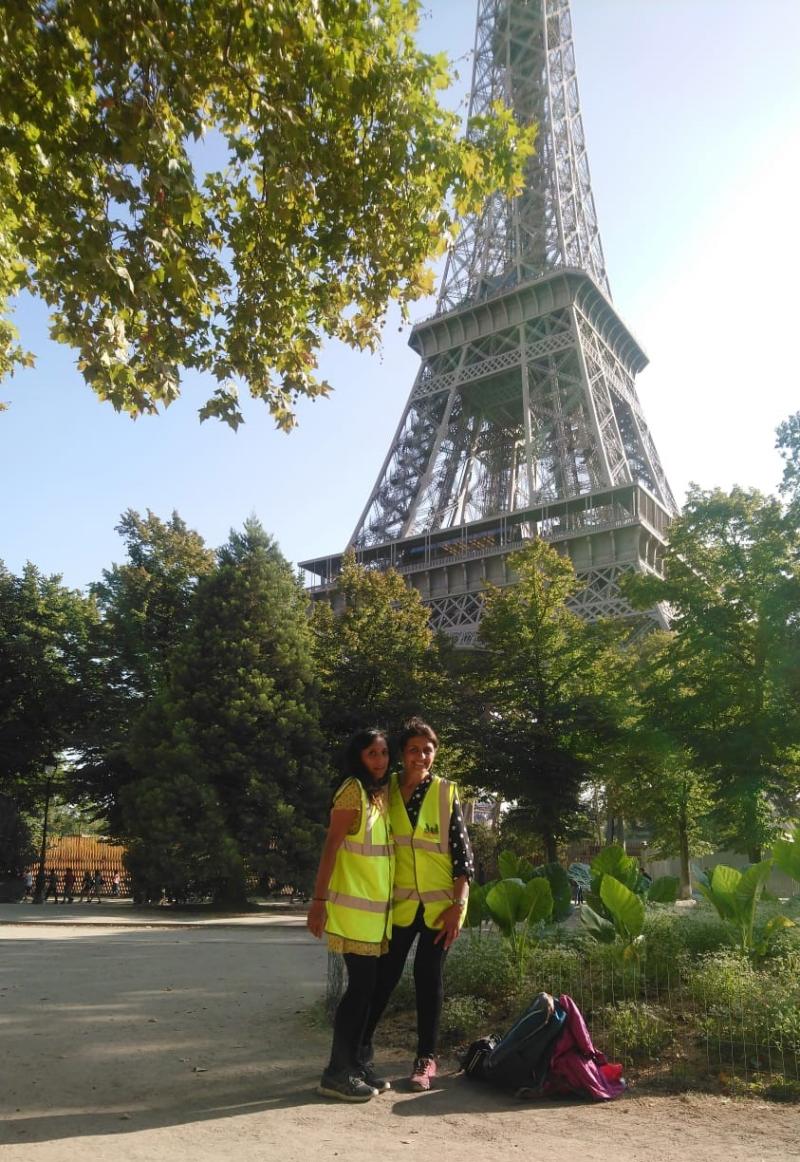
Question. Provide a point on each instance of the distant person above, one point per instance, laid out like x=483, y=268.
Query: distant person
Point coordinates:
x=86, y=887
x=69, y=886
x=115, y=884
x=97, y=885
x=52, y=886
x=28, y=881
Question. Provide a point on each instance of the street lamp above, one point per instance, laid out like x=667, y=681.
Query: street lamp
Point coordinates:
x=49, y=771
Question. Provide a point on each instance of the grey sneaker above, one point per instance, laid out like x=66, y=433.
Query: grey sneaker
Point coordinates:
x=345, y=1087
x=381, y=1084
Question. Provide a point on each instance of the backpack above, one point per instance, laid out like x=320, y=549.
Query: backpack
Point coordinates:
x=518, y=1060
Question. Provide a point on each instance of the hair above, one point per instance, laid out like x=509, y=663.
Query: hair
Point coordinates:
x=414, y=728
x=354, y=767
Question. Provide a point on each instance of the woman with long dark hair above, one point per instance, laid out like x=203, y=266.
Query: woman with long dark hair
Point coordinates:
x=352, y=903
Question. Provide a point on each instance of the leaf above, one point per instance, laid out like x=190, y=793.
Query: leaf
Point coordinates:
x=508, y=865
x=786, y=854
x=506, y=904
x=624, y=905
x=613, y=861
x=752, y=881
x=476, y=906
x=538, y=901
x=598, y=927
x=663, y=890
x=633, y=950
x=580, y=873
x=771, y=929
x=560, y=888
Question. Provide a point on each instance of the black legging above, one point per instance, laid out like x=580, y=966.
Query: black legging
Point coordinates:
x=428, y=966
x=352, y=1012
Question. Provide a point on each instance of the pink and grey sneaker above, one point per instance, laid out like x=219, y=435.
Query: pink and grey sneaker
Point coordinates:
x=422, y=1074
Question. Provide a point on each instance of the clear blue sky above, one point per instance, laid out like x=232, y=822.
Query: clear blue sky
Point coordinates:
x=692, y=116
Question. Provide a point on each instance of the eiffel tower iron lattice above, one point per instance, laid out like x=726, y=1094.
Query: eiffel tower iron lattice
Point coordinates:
x=523, y=420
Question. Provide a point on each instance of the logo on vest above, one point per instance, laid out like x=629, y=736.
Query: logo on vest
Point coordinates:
x=431, y=828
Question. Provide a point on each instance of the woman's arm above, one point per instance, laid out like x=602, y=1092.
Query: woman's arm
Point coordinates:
x=338, y=828
x=463, y=865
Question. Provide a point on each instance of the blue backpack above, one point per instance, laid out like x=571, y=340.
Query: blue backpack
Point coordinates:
x=518, y=1060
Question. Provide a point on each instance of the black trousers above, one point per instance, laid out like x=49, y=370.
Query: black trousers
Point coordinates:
x=428, y=968
x=351, y=1015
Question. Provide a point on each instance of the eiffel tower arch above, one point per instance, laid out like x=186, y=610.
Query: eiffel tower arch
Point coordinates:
x=523, y=420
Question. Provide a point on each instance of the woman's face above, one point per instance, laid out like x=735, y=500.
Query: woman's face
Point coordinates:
x=375, y=758
x=418, y=755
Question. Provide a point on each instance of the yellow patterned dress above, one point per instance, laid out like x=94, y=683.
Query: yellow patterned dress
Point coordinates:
x=348, y=798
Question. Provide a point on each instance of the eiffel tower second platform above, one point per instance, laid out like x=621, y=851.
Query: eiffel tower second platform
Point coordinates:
x=523, y=422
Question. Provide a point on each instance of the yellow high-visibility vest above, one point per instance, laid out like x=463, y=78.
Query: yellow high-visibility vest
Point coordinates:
x=423, y=865
x=360, y=888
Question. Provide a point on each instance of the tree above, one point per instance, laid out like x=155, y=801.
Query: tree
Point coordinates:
x=146, y=601
x=540, y=716
x=732, y=580
x=337, y=166
x=231, y=777
x=46, y=667
x=145, y=605
x=651, y=775
x=378, y=661
x=788, y=445
x=16, y=841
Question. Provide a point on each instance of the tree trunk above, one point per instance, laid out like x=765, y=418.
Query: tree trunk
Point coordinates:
x=685, y=891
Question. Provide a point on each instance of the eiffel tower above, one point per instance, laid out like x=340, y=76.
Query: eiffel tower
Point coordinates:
x=523, y=420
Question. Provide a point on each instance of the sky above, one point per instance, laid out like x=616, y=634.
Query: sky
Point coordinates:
x=692, y=116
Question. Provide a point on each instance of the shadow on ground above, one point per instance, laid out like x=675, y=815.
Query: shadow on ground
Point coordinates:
x=108, y=1032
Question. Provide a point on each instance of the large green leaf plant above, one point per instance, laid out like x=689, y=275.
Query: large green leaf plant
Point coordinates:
x=615, y=908
x=735, y=895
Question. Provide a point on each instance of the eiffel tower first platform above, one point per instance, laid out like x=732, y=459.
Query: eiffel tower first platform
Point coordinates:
x=523, y=420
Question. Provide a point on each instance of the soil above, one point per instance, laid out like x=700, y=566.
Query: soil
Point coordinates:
x=198, y=1042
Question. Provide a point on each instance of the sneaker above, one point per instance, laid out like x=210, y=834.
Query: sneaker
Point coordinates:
x=345, y=1087
x=368, y=1074
x=422, y=1073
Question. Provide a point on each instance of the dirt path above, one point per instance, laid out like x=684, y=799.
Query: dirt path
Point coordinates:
x=194, y=1043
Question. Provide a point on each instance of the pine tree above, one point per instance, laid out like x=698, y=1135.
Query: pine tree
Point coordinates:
x=232, y=772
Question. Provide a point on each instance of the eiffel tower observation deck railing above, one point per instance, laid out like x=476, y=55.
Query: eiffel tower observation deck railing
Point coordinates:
x=523, y=420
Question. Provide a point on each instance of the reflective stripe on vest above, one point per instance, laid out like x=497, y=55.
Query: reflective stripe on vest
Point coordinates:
x=423, y=897
x=356, y=902
x=367, y=848
x=359, y=891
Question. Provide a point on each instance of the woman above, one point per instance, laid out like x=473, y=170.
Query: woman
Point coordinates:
x=352, y=903
x=433, y=868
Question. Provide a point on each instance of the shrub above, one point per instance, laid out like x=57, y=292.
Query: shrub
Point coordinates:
x=464, y=1018
x=633, y=1031
x=749, y=1014
x=555, y=970
x=481, y=968
x=704, y=932
x=666, y=951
